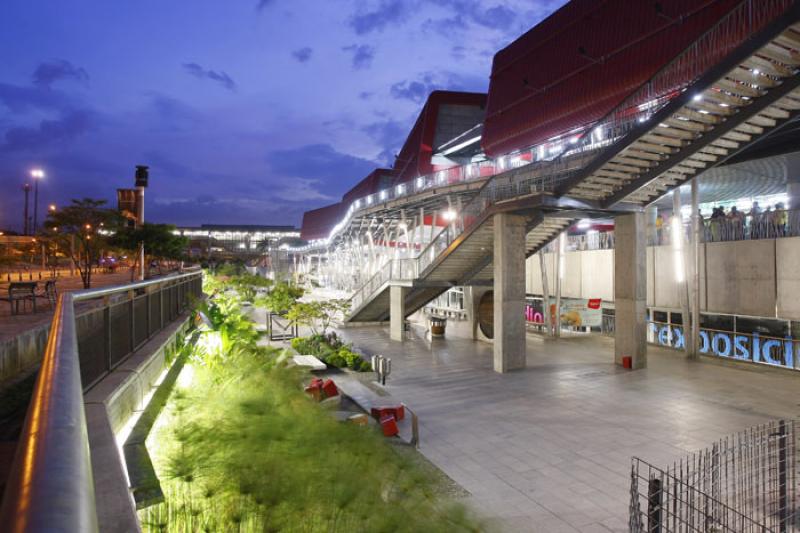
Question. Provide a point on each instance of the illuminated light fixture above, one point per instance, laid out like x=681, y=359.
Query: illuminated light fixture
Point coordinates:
x=51, y=207
x=643, y=119
x=756, y=71
x=584, y=223
x=677, y=245
x=459, y=146
x=37, y=173
x=697, y=97
x=449, y=215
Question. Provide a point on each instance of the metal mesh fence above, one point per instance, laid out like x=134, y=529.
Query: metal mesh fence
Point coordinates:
x=110, y=333
x=90, y=328
x=140, y=326
x=747, y=482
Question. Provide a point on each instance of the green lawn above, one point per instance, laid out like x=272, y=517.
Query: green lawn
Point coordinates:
x=242, y=448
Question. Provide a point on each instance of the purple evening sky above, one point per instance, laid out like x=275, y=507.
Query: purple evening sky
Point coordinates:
x=246, y=111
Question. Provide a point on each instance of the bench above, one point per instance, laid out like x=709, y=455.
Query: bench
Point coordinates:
x=50, y=293
x=20, y=291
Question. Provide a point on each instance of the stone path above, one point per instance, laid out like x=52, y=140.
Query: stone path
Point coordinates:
x=548, y=449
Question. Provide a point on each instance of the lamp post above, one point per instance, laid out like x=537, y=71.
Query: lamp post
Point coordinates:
x=37, y=174
x=142, y=176
x=26, y=221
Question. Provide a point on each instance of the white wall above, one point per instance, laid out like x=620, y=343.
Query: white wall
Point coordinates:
x=757, y=278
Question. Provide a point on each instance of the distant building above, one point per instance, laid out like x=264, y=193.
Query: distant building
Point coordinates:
x=240, y=241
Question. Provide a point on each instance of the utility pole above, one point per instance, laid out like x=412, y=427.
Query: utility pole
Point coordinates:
x=142, y=177
x=681, y=277
x=26, y=221
x=696, y=270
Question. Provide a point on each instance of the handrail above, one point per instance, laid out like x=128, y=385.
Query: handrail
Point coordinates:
x=51, y=487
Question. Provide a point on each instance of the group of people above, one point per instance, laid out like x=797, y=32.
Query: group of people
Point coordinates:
x=757, y=224
x=734, y=225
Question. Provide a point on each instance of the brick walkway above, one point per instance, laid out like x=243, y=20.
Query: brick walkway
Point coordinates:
x=548, y=449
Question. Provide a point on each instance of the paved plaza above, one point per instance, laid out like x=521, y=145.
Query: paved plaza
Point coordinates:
x=548, y=448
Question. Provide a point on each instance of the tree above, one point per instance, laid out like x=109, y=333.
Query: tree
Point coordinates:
x=160, y=242
x=82, y=230
x=282, y=297
x=317, y=314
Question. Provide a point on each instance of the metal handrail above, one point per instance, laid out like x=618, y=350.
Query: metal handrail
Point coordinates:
x=51, y=487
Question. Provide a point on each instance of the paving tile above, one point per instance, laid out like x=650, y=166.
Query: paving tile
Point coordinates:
x=549, y=448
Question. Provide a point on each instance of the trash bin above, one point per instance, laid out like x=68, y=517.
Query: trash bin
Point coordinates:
x=437, y=326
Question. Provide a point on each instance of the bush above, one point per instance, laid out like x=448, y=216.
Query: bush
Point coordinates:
x=331, y=350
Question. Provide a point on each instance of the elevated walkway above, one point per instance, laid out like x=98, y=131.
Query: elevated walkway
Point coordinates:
x=733, y=87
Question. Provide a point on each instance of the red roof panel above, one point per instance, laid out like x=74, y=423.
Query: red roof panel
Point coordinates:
x=582, y=61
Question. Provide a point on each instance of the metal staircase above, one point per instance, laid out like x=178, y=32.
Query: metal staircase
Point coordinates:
x=735, y=85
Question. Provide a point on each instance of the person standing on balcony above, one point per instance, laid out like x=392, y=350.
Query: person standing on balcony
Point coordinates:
x=736, y=224
x=780, y=219
x=717, y=215
x=659, y=228
x=755, y=220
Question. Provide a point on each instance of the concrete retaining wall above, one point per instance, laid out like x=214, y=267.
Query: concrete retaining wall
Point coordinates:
x=22, y=354
x=109, y=405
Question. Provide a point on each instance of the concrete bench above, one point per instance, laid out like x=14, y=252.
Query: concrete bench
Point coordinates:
x=367, y=398
x=310, y=362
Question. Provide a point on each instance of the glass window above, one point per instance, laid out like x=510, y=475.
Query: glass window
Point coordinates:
x=762, y=326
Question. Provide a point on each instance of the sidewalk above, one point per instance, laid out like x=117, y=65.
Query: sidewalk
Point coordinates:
x=548, y=449
x=13, y=325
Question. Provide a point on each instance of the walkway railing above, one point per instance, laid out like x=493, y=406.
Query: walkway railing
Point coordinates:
x=50, y=486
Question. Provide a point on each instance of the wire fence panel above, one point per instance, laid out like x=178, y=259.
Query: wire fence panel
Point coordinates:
x=140, y=329
x=747, y=482
x=90, y=328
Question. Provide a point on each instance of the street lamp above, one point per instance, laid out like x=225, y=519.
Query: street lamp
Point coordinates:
x=51, y=208
x=37, y=174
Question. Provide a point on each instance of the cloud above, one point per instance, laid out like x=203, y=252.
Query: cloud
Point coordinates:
x=362, y=55
x=220, y=77
x=388, y=12
x=19, y=99
x=59, y=69
x=365, y=95
x=71, y=125
x=417, y=91
x=303, y=54
x=390, y=135
x=329, y=171
x=263, y=4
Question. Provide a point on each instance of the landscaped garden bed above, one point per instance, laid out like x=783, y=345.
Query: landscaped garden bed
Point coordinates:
x=240, y=447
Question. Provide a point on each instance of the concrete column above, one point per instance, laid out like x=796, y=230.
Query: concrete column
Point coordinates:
x=793, y=183
x=630, y=289
x=397, y=312
x=509, y=292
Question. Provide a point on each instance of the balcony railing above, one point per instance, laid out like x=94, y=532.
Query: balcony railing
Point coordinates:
x=50, y=486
